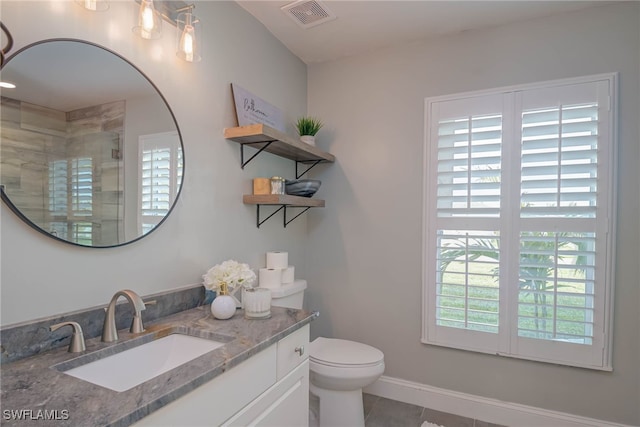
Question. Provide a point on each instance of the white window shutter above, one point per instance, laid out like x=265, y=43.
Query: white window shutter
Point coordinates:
x=518, y=190
x=71, y=199
x=160, y=171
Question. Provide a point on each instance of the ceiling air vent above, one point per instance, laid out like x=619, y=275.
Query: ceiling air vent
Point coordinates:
x=308, y=13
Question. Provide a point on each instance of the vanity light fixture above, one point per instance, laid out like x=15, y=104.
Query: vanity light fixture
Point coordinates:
x=94, y=5
x=149, y=21
x=177, y=13
x=188, y=35
x=7, y=47
x=3, y=52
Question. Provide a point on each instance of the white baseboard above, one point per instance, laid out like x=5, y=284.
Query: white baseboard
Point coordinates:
x=477, y=407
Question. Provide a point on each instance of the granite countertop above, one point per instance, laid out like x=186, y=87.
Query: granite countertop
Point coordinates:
x=34, y=388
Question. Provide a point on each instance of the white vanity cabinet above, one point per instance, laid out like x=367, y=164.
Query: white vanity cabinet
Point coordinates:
x=269, y=389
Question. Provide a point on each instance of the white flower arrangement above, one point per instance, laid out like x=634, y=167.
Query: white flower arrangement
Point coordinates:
x=231, y=272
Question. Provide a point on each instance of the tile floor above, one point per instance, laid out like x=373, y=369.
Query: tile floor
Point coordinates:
x=382, y=412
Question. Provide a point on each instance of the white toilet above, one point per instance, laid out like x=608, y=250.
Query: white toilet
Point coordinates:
x=339, y=369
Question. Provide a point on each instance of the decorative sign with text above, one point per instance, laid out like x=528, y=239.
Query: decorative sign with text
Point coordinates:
x=251, y=109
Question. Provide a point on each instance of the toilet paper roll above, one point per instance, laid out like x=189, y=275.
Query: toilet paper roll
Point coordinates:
x=277, y=260
x=288, y=275
x=270, y=277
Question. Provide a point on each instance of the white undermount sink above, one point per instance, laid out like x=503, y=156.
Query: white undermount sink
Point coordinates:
x=134, y=366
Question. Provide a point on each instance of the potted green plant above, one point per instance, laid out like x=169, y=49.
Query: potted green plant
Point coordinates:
x=308, y=127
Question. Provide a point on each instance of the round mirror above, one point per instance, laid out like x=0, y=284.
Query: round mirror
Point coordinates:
x=90, y=152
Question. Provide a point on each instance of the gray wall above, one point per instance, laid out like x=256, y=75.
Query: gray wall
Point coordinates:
x=364, y=258
x=361, y=253
x=40, y=276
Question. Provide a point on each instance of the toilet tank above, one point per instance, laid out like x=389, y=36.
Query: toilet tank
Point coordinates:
x=290, y=295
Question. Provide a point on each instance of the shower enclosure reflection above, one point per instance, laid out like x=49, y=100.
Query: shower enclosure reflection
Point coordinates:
x=90, y=152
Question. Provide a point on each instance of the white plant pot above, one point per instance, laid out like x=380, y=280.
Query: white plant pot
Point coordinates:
x=308, y=139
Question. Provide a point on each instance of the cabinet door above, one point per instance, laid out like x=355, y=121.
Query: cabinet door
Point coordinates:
x=292, y=350
x=286, y=404
x=220, y=398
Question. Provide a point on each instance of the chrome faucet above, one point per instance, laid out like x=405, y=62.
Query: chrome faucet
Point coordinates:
x=109, y=330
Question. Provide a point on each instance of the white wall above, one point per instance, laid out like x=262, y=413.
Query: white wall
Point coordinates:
x=364, y=260
x=40, y=276
x=157, y=119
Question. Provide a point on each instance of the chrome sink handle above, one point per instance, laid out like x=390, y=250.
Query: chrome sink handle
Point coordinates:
x=77, y=338
x=109, y=330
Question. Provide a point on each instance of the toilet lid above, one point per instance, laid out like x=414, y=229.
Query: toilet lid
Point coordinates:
x=334, y=351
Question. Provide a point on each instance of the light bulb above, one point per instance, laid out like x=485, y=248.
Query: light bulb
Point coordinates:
x=187, y=36
x=149, y=24
x=186, y=43
x=147, y=19
x=94, y=5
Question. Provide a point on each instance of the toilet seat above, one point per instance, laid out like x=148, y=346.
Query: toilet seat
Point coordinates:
x=339, y=353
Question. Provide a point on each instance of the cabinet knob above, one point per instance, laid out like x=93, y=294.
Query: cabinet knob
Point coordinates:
x=299, y=350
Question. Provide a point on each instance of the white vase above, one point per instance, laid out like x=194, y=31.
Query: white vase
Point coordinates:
x=308, y=139
x=224, y=305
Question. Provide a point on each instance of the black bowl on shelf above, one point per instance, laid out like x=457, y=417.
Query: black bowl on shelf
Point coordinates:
x=302, y=187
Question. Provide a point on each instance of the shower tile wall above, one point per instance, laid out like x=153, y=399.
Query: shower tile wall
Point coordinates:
x=34, y=137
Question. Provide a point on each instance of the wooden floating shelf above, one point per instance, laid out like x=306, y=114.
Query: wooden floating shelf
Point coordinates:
x=265, y=138
x=282, y=199
x=276, y=142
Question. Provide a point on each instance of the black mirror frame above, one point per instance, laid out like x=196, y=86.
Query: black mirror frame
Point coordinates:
x=15, y=210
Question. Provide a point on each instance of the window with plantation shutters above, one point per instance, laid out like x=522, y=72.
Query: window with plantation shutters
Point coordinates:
x=58, y=187
x=82, y=186
x=160, y=177
x=518, y=220
x=71, y=199
x=71, y=187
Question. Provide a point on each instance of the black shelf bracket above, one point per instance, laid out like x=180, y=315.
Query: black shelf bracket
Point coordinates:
x=296, y=216
x=283, y=208
x=305, y=162
x=258, y=222
x=266, y=144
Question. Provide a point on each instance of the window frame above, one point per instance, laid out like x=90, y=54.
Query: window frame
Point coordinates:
x=507, y=342
x=165, y=141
